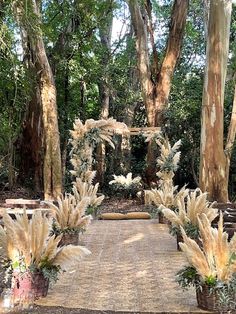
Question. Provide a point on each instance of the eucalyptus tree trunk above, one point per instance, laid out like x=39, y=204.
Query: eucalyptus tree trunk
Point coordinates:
x=156, y=78
x=52, y=172
x=52, y=175
x=214, y=161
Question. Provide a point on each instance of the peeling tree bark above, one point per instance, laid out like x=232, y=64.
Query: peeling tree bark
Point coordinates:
x=156, y=86
x=213, y=160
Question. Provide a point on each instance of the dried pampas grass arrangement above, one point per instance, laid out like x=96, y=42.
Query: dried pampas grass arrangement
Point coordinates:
x=29, y=245
x=189, y=209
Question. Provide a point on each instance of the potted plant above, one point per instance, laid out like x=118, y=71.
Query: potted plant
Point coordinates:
x=126, y=186
x=165, y=197
x=212, y=268
x=188, y=210
x=69, y=218
x=34, y=258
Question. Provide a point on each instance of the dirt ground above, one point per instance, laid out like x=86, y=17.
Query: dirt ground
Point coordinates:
x=17, y=192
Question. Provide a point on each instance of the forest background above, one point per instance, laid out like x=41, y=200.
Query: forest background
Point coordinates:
x=92, y=50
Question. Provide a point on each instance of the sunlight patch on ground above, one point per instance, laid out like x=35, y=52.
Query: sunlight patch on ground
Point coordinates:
x=134, y=238
x=141, y=273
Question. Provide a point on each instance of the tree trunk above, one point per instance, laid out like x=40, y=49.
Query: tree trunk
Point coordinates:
x=213, y=161
x=105, y=32
x=30, y=141
x=52, y=175
x=172, y=54
x=156, y=86
x=52, y=155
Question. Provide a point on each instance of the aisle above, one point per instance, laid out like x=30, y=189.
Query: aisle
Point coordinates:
x=132, y=268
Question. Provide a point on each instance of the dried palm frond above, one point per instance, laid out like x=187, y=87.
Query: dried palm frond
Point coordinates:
x=166, y=196
x=169, y=158
x=88, y=176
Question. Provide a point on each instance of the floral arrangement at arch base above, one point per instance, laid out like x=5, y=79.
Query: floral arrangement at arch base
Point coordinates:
x=32, y=256
x=212, y=268
x=166, y=195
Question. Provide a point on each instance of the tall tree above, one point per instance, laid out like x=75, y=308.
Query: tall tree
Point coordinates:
x=105, y=32
x=215, y=158
x=30, y=140
x=156, y=77
x=28, y=16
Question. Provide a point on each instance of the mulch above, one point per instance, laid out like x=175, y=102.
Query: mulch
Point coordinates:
x=118, y=205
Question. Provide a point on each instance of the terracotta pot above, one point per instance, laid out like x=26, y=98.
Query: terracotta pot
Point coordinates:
x=69, y=238
x=209, y=300
x=28, y=285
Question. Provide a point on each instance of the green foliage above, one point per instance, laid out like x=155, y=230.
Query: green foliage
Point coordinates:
x=183, y=116
x=191, y=230
x=187, y=277
x=49, y=271
x=57, y=231
x=211, y=281
x=123, y=191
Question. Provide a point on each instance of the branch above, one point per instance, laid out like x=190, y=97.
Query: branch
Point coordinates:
x=120, y=40
x=173, y=48
x=140, y=30
x=148, y=7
